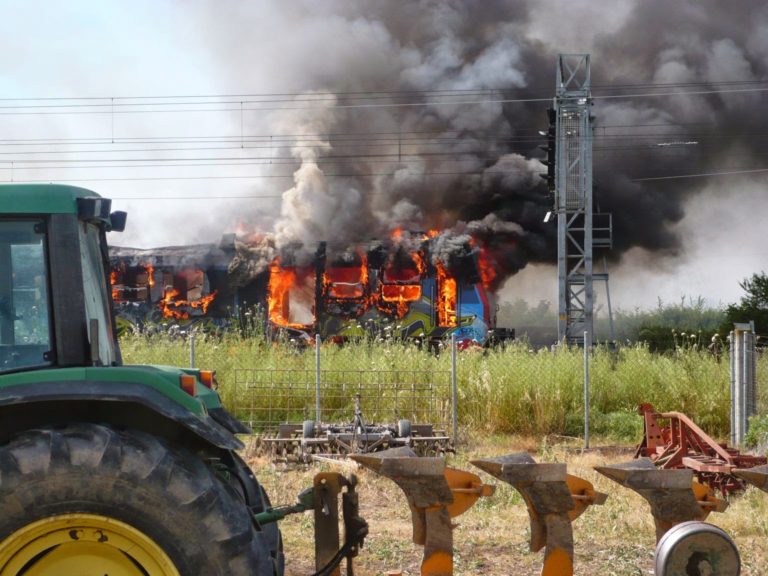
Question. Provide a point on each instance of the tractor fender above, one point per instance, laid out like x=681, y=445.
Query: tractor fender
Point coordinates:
x=122, y=403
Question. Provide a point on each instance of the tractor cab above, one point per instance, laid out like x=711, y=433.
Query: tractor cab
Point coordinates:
x=126, y=457
x=59, y=354
x=54, y=304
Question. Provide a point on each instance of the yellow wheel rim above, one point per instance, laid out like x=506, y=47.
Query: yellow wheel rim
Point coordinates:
x=82, y=544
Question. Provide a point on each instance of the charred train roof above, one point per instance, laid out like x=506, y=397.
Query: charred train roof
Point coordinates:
x=206, y=256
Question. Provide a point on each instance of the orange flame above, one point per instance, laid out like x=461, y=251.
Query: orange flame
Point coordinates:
x=150, y=274
x=168, y=301
x=170, y=305
x=419, y=261
x=281, y=280
x=204, y=302
x=113, y=283
x=402, y=285
x=346, y=282
x=174, y=307
x=446, y=298
x=401, y=296
x=487, y=270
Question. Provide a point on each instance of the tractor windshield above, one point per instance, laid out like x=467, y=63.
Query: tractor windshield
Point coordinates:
x=95, y=282
x=25, y=334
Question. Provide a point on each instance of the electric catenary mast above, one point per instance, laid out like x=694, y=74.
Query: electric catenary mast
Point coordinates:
x=573, y=196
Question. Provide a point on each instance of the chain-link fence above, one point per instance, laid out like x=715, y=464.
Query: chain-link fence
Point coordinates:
x=265, y=398
x=512, y=389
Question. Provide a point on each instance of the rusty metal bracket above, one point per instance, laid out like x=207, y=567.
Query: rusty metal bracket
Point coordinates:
x=435, y=494
x=554, y=499
x=674, y=496
x=327, y=487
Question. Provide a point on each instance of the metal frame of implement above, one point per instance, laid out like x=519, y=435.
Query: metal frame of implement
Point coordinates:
x=682, y=444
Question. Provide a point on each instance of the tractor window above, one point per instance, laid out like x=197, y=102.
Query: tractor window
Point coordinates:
x=95, y=291
x=25, y=335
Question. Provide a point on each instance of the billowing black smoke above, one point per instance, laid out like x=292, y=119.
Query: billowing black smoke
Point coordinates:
x=398, y=156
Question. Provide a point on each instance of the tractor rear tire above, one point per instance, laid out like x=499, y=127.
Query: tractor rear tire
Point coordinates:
x=61, y=486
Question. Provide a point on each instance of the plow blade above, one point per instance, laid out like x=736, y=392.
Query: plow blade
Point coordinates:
x=757, y=476
x=435, y=494
x=674, y=496
x=554, y=499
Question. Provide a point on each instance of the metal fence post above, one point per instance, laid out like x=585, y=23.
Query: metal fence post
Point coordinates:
x=317, y=378
x=587, y=346
x=752, y=374
x=454, y=391
x=191, y=349
x=732, y=341
x=744, y=385
x=743, y=380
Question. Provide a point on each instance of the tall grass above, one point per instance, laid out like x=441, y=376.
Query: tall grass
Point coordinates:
x=509, y=390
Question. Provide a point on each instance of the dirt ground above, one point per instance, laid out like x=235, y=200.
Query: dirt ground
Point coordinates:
x=616, y=539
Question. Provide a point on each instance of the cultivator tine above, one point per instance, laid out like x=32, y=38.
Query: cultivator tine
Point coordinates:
x=554, y=499
x=435, y=494
x=674, y=496
x=757, y=476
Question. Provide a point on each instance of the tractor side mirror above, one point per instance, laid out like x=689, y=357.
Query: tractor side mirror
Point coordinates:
x=117, y=221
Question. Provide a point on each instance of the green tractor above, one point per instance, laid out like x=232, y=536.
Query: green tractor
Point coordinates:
x=106, y=469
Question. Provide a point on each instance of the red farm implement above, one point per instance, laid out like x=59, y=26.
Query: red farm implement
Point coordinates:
x=672, y=440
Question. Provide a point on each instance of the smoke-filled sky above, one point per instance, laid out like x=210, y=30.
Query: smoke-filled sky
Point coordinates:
x=340, y=120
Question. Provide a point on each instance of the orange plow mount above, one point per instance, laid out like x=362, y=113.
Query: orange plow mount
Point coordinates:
x=435, y=494
x=554, y=499
x=674, y=496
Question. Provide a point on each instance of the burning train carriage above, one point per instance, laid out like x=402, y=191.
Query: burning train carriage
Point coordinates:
x=178, y=282
x=384, y=289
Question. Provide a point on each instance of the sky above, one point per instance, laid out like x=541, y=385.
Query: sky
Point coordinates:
x=97, y=60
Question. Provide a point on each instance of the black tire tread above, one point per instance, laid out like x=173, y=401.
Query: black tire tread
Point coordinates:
x=167, y=492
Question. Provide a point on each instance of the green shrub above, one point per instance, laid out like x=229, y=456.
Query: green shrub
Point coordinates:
x=757, y=435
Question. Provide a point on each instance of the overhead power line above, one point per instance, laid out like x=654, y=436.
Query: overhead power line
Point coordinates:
x=377, y=93
x=240, y=107
x=268, y=176
x=400, y=135
x=699, y=175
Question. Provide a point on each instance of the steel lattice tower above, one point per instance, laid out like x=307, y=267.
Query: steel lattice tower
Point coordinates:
x=573, y=198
